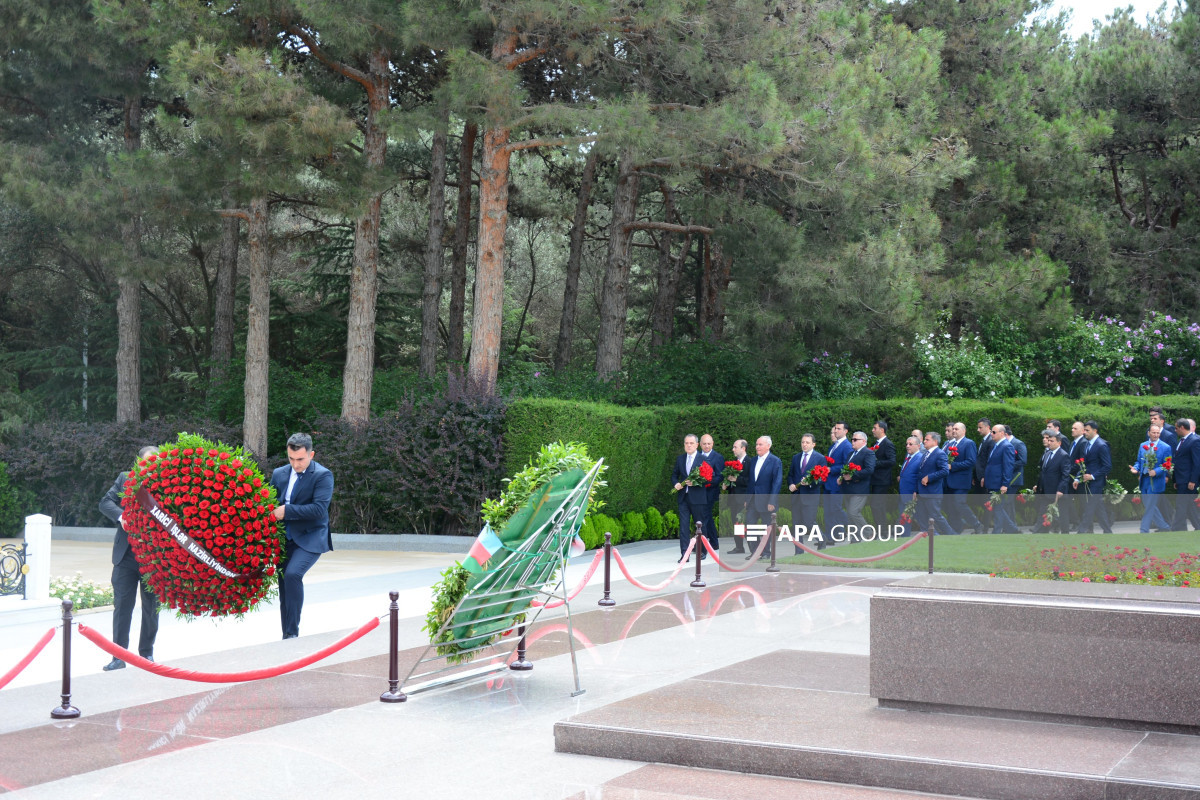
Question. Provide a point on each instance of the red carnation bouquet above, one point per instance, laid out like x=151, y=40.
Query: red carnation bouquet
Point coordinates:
x=1079, y=476
x=951, y=453
x=816, y=476
x=733, y=469
x=849, y=469
x=200, y=524
x=701, y=475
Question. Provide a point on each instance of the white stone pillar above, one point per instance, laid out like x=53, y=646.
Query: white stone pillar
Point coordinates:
x=37, y=556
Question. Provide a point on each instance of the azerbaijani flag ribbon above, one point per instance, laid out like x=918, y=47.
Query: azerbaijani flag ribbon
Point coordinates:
x=486, y=545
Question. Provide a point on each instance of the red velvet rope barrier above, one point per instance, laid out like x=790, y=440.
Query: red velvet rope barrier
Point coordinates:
x=24, y=662
x=587, y=576
x=678, y=568
x=754, y=557
x=866, y=559
x=224, y=677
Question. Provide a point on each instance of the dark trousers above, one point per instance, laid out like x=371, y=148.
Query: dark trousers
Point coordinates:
x=127, y=583
x=1093, y=511
x=929, y=507
x=1002, y=514
x=879, y=505
x=958, y=514
x=291, y=586
x=834, y=514
x=710, y=524
x=690, y=512
x=1185, y=510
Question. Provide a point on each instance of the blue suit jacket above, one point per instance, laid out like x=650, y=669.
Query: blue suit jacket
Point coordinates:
x=963, y=467
x=909, y=477
x=999, y=470
x=1097, y=463
x=839, y=455
x=1157, y=484
x=1056, y=473
x=679, y=475
x=1186, y=453
x=860, y=482
x=765, y=487
x=1020, y=459
x=982, y=454
x=795, y=473
x=306, y=518
x=1169, y=436
x=936, y=467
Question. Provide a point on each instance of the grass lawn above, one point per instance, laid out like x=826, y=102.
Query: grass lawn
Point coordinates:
x=982, y=553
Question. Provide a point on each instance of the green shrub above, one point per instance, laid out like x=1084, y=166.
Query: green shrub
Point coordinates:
x=15, y=503
x=670, y=525
x=783, y=516
x=603, y=523
x=591, y=538
x=633, y=524
x=654, y=524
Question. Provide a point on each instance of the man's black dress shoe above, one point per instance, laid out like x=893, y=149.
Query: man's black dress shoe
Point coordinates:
x=116, y=663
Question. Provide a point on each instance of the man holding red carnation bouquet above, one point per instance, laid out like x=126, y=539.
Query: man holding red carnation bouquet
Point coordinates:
x=691, y=478
x=127, y=578
x=305, y=487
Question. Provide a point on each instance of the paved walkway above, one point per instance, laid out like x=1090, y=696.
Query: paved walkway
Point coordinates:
x=322, y=732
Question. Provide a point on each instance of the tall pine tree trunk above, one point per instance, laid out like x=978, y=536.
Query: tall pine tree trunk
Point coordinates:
x=431, y=295
x=566, y=324
x=258, y=322
x=484, y=365
x=458, y=258
x=129, y=309
x=662, y=325
x=616, y=274
x=223, y=307
x=364, y=273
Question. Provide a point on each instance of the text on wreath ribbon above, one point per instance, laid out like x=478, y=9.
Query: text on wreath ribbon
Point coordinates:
x=176, y=532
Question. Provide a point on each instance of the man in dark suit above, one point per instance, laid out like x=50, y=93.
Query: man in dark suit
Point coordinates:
x=1072, y=509
x=127, y=578
x=910, y=479
x=717, y=462
x=1167, y=434
x=857, y=485
x=1053, y=480
x=958, y=482
x=882, y=478
x=304, y=489
x=806, y=497
x=735, y=495
x=1097, y=464
x=831, y=499
x=931, y=485
x=1186, y=462
x=998, y=476
x=984, y=429
x=693, y=500
x=766, y=478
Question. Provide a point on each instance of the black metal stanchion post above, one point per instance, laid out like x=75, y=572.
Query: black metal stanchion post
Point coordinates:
x=607, y=599
x=66, y=710
x=773, y=532
x=522, y=664
x=393, y=694
x=698, y=582
x=931, y=533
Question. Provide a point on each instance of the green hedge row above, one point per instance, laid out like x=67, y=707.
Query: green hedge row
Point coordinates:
x=640, y=444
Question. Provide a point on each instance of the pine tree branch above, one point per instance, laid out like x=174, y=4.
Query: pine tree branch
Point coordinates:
x=11, y=99
x=239, y=213
x=345, y=70
x=566, y=141
x=525, y=56
x=650, y=225
x=1129, y=215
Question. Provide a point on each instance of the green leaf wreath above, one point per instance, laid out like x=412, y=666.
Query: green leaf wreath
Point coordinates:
x=511, y=517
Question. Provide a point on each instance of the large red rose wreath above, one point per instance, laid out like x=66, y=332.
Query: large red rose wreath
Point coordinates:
x=198, y=515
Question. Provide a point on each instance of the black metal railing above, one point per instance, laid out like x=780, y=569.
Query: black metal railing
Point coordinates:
x=13, y=569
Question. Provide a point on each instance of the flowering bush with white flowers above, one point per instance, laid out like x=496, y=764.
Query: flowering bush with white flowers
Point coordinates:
x=83, y=593
x=948, y=367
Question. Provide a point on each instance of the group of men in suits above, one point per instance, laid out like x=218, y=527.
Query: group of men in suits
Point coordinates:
x=937, y=476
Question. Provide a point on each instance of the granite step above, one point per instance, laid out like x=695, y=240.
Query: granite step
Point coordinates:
x=806, y=715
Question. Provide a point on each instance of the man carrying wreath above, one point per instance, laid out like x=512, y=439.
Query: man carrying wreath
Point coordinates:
x=305, y=489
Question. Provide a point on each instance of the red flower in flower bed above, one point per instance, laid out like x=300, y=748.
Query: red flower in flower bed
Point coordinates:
x=217, y=498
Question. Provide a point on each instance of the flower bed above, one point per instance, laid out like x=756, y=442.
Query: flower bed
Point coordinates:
x=83, y=593
x=1103, y=565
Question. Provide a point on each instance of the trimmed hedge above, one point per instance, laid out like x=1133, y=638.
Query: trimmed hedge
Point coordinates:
x=640, y=444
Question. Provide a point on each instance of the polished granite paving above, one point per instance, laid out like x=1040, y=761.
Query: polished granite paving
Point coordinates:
x=322, y=732
x=799, y=714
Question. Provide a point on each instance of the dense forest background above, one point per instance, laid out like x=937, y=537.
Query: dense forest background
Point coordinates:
x=261, y=212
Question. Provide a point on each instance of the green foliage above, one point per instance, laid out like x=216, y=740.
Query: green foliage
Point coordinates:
x=552, y=459
x=633, y=527
x=670, y=525
x=591, y=538
x=605, y=524
x=16, y=502
x=655, y=526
